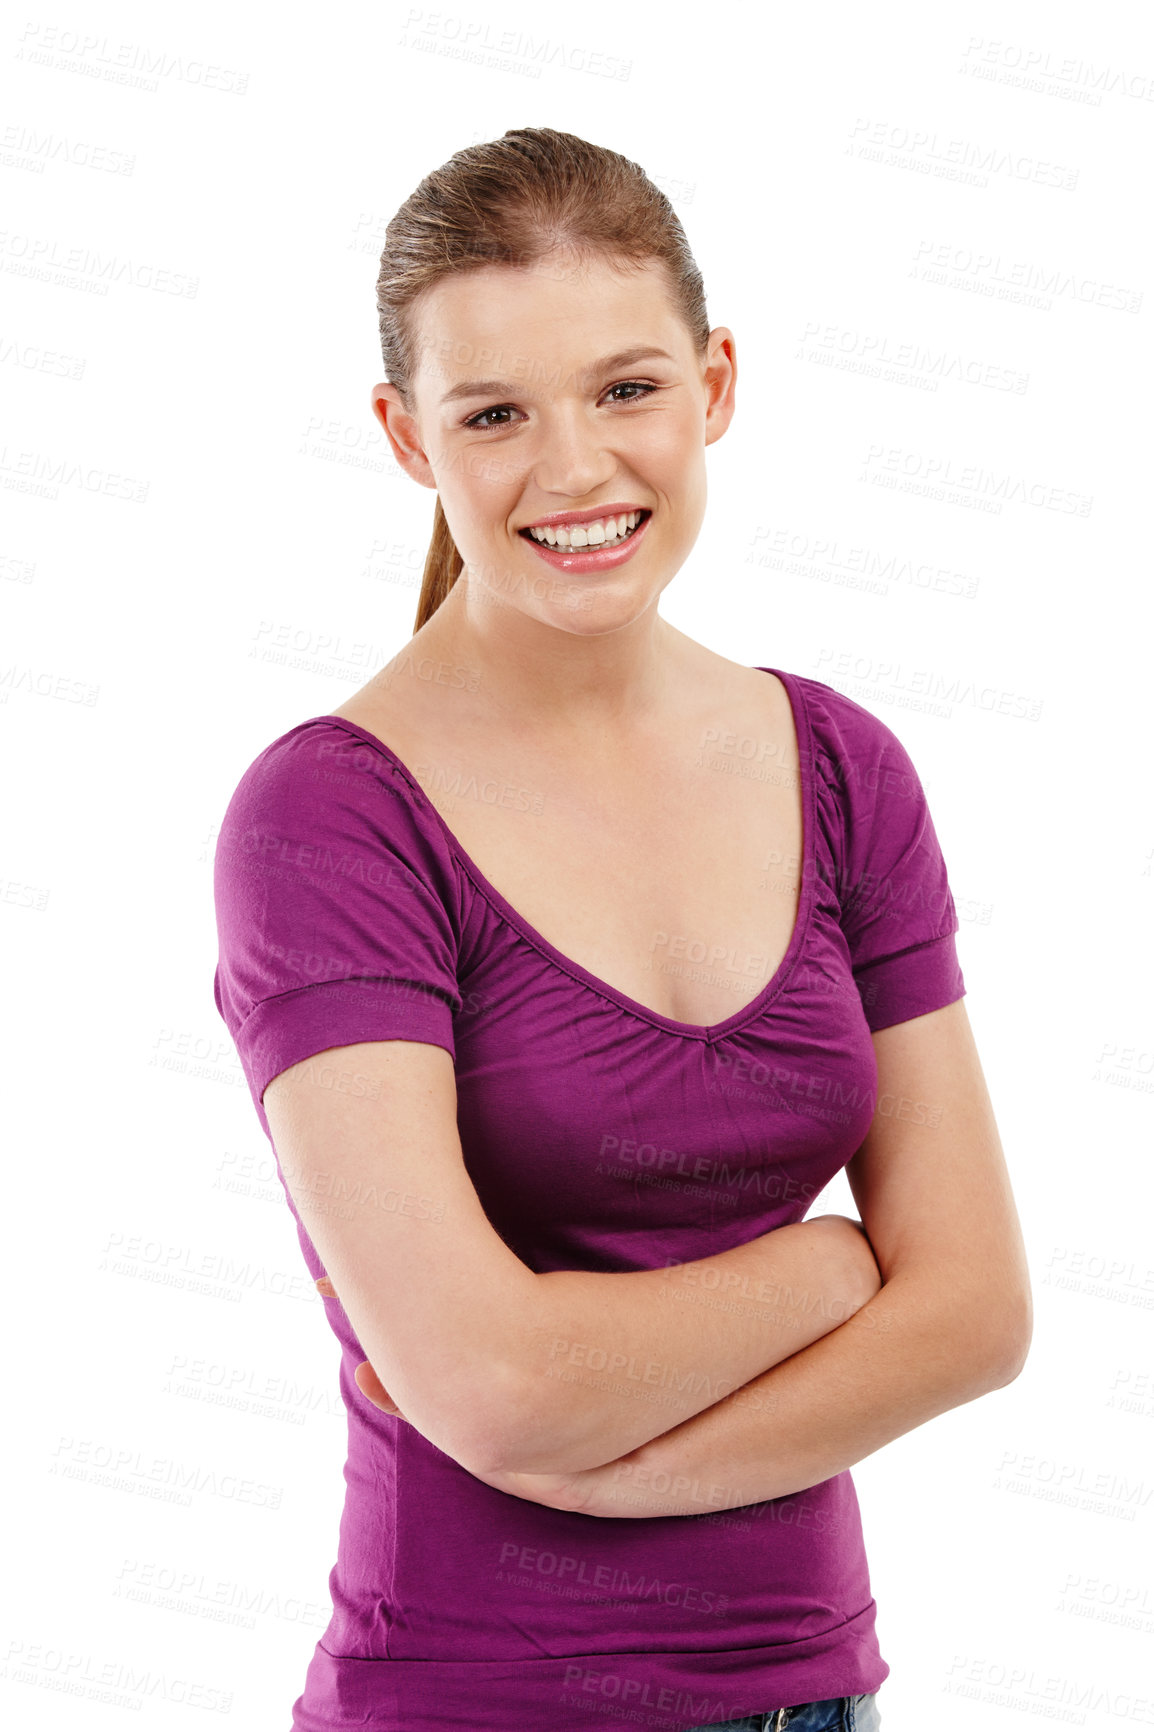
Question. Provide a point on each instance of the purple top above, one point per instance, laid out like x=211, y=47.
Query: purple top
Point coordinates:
x=598, y=1135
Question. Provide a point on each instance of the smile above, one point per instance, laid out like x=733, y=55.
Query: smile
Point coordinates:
x=601, y=531
x=587, y=548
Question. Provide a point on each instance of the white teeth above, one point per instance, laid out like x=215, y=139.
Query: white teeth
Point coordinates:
x=605, y=529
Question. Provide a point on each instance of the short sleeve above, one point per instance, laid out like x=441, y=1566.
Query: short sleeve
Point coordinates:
x=897, y=909
x=336, y=905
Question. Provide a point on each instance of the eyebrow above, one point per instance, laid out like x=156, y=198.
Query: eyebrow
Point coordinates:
x=501, y=387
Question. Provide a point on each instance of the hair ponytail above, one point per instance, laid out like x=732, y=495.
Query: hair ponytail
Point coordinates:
x=443, y=566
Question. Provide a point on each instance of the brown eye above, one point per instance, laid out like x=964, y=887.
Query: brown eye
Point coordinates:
x=483, y=425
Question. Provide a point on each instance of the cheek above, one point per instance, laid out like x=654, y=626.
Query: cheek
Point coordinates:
x=670, y=450
x=482, y=501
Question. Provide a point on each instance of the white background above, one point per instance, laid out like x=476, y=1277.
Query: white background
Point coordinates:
x=194, y=206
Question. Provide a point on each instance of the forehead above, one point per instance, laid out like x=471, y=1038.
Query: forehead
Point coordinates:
x=546, y=320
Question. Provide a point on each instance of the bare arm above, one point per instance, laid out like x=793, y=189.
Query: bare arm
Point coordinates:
x=952, y=1321
x=610, y=1360
x=467, y=1339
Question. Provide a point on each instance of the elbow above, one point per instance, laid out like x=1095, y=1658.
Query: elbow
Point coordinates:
x=502, y=1434
x=471, y=1419
x=1010, y=1337
x=512, y=1421
x=521, y=1433
x=985, y=1341
x=520, y=1436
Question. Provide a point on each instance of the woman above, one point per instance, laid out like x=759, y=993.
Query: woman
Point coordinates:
x=568, y=961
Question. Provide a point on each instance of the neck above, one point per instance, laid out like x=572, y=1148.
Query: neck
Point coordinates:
x=555, y=682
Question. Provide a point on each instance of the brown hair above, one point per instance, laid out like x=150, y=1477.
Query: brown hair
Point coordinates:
x=514, y=201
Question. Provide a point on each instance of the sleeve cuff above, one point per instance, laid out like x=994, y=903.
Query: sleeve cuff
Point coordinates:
x=283, y=1030
x=915, y=981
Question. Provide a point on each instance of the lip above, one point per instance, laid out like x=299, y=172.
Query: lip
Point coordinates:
x=560, y=519
x=592, y=559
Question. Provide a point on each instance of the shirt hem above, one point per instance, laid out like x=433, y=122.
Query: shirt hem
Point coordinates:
x=662, y=1692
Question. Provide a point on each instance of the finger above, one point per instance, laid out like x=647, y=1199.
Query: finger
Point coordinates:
x=371, y=1386
x=325, y=1287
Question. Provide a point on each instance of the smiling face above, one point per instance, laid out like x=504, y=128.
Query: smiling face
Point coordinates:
x=567, y=391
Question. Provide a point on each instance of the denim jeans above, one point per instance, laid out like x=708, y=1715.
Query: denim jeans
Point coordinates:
x=835, y=1714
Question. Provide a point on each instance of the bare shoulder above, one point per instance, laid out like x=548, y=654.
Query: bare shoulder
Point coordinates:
x=735, y=682
x=363, y=708
x=748, y=706
x=398, y=711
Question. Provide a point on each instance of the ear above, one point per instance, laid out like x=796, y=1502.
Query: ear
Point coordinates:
x=403, y=432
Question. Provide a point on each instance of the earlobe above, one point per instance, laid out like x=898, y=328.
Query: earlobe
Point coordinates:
x=718, y=416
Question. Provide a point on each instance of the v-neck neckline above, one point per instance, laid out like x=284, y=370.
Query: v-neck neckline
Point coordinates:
x=690, y=1030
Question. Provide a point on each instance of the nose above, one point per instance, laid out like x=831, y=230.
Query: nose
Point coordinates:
x=572, y=459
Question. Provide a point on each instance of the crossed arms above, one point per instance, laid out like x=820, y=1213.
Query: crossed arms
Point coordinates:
x=845, y=1343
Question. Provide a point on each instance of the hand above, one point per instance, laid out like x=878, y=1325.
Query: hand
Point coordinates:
x=564, y=1491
